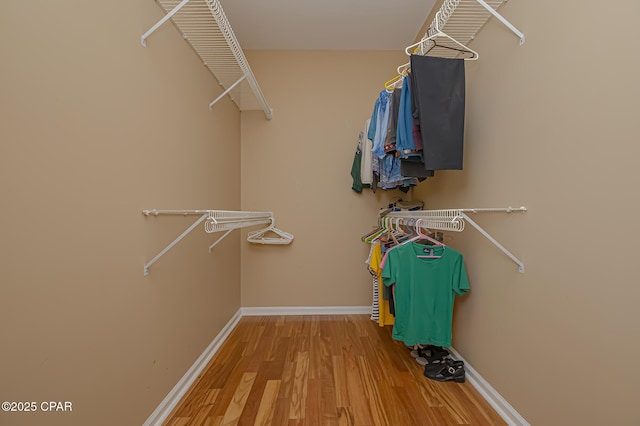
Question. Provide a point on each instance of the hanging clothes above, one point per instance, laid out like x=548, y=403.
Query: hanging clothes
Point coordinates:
x=409, y=143
x=418, y=127
x=381, y=306
x=381, y=117
x=439, y=92
x=372, y=261
x=390, y=138
x=385, y=167
x=366, y=146
x=388, y=165
x=424, y=291
x=414, y=167
x=406, y=146
x=355, y=171
x=415, y=128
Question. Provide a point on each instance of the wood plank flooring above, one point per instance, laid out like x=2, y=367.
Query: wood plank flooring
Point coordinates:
x=323, y=370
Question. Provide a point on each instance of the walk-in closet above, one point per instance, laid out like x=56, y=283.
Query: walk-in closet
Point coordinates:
x=247, y=212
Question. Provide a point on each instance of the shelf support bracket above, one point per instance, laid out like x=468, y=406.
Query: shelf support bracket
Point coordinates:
x=503, y=20
x=176, y=241
x=220, y=239
x=164, y=19
x=226, y=91
x=494, y=241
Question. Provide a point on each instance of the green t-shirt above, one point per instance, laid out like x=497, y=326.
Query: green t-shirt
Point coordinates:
x=424, y=292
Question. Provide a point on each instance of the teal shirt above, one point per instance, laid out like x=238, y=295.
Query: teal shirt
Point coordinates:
x=425, y=291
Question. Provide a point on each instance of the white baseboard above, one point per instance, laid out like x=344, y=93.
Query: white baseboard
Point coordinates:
x=180, y=389
x=502, y=407
x=305, y=310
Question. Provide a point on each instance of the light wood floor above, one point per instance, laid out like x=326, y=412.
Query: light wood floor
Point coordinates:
x=323, y=370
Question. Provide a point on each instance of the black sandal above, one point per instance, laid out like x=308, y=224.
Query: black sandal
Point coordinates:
x=445, y=371
x=434, y=368
x=432, y=354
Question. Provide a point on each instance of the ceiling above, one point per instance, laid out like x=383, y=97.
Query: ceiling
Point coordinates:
x=326, y=24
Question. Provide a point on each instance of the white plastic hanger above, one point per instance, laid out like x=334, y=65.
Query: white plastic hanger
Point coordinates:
x=428, y=238
x=438, y=33
x=260, y=237
x=404, y=68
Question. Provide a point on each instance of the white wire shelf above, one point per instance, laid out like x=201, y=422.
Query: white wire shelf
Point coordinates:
x=206, y=28
x=222, y=220
x=462, y=20
x=454, y=220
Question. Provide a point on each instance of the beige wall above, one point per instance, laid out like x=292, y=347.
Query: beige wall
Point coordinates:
x=552, y=125
x=93, y=129
x=96, y=128
x=298, y=165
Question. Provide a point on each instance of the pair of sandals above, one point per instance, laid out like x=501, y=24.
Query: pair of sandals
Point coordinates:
x=447, y=370
x=438, y=365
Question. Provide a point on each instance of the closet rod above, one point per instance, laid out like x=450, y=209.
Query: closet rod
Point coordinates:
x=499, y=209
x=217, y=214
x=454, y=219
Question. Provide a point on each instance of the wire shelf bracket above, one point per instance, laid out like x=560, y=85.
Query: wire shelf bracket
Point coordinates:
x=503, y=20
x=214, y=221
x=461, y=20
x=204, y=25
x=454, y=220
